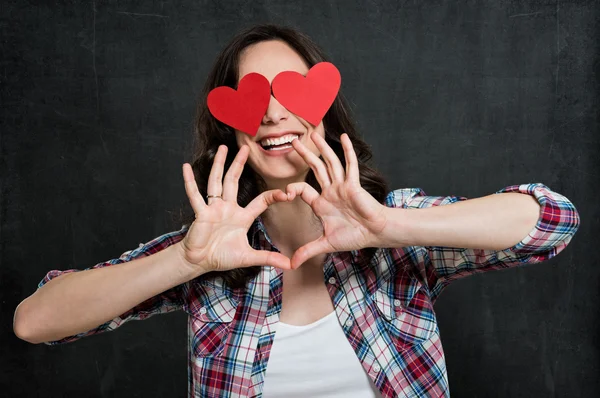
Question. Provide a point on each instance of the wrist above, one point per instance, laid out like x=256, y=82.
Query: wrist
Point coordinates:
x=187, y=269
x=396, y=230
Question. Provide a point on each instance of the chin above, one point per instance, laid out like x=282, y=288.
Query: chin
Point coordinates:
x=282, y=177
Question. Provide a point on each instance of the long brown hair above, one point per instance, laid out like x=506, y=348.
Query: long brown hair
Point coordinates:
x=209, y=133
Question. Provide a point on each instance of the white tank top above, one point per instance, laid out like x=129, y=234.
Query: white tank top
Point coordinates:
x=317, y=361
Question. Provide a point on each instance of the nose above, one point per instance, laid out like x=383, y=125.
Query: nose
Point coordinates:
x=275, y=112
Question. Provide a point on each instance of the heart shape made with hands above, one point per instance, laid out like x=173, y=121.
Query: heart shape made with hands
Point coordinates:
x=309, y=97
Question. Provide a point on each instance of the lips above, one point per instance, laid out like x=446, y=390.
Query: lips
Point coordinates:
x=278, y=152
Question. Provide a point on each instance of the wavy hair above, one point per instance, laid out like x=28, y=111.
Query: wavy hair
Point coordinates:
x=209, y=133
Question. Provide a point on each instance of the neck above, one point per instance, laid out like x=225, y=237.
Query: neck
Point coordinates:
x=291, y=224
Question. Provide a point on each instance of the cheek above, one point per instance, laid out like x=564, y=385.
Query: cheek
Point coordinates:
x=242, y=138
x=320, y=130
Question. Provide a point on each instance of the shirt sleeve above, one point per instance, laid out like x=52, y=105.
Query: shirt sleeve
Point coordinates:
x=557, y=223
x=167, y=301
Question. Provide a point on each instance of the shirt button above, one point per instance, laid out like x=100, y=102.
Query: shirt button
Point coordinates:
x=141, y=244
x=376, y=367
x=332, y=280
x=203, y=310
x=397, y=303
x=349, y=322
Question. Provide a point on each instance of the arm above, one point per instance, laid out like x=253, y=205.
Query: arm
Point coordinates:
x=517, y=225
x=78, y=303
x=492, y=222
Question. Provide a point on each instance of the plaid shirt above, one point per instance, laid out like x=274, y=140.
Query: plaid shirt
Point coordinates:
x=385, y=310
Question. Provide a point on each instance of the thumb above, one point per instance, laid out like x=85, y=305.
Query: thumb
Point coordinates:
x=259, y=204
x=308, y=251
x=265, y=257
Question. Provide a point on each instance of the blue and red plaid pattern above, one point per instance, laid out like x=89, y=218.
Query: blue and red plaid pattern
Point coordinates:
x=385, y=309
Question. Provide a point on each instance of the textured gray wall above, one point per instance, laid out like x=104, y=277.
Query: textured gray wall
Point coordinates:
x=455, y=97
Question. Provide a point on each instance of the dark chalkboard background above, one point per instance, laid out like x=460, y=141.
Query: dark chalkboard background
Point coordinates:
x=455, y=97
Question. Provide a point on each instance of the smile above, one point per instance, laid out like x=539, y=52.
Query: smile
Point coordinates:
x=278, y=147
x=274, y=143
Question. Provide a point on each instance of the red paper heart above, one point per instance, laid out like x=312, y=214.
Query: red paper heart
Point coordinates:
x=242, y=109
x=309, y=97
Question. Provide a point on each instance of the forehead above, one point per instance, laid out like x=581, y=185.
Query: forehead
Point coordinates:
x=269, y=58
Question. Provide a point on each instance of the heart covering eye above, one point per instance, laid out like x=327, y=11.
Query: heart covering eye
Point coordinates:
x=242, y=109
x=309, y=97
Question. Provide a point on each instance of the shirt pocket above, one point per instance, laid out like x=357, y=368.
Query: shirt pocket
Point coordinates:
x=211, y=311
x=406, y=312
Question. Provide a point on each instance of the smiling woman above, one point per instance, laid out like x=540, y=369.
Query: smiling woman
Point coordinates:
x=268, y=51
x=301, y=274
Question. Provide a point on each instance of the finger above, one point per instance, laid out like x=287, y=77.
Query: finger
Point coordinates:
x=302, y=189
x=191, y=189
x=269, y=258
x=308, y=251
x=231, y=180
x=334, y=166
x=215, y=185
x=352, y=172
x=259, y=204
x=314, y=162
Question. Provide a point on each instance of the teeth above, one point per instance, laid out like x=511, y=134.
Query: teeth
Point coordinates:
x=278, y=141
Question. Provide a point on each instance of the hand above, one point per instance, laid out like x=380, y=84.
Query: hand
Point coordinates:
x=351, y=217
x=217, y=240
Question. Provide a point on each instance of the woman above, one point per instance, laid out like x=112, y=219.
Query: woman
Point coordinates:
x=301, y=261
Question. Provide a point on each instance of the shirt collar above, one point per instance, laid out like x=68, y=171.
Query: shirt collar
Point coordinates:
x=259, y=226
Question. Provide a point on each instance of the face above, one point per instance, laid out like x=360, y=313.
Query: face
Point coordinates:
x=277, y=167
